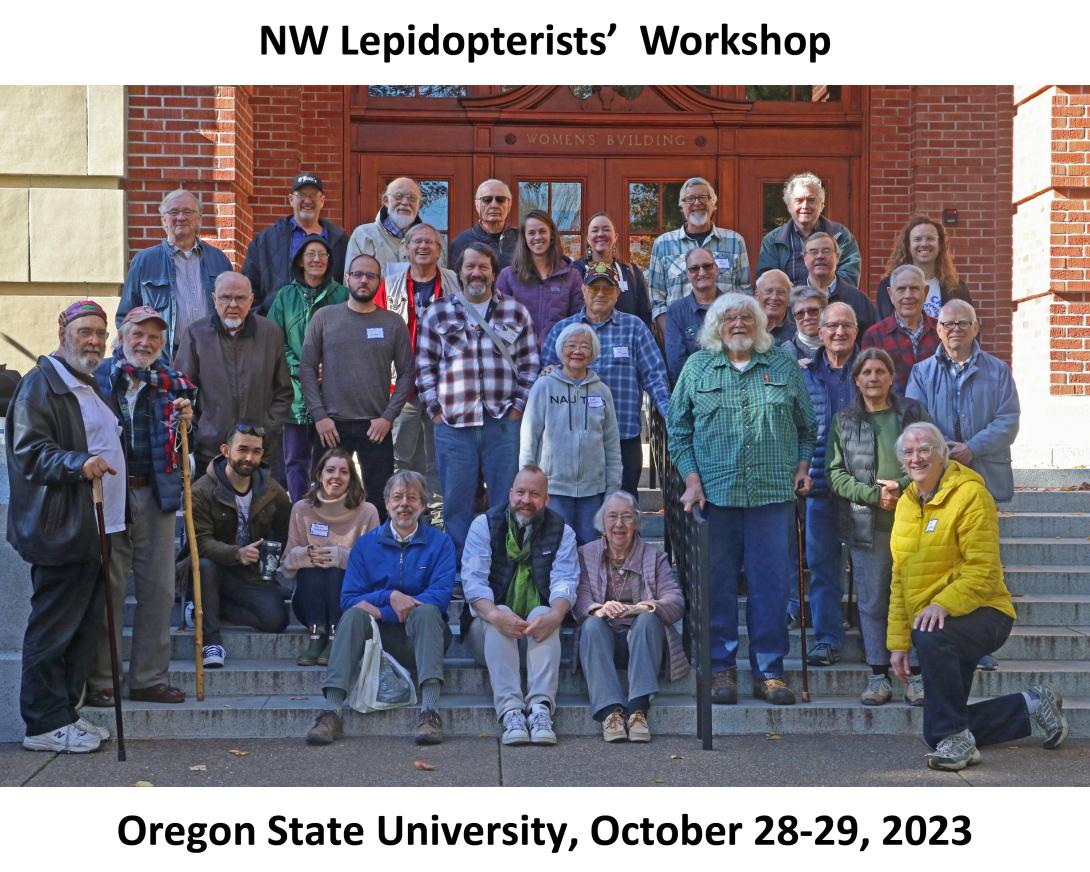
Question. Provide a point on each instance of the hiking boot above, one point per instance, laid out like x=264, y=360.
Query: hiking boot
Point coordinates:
x=914, y=690
x=541, y=725
x=213, y=656
x=638, y=731
x=326, y=728
x=823, y=654
x=309, y=657
x=69, y=739
x=725, y=687
x=1050, y=715
x=613, y=727
x=773, y=690
x=327, y=649
x=429, y=728
x=987, y=663
x=515, y=729
x=879, y=691
x=954, y=753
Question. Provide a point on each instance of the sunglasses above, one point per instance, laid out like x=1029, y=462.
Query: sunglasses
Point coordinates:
x=498, y=198
x=250, y=430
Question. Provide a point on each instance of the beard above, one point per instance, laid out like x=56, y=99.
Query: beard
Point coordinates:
x=243, y=468
x=362, y=294
x=698, y=217
x=84, y=361
x=232, y=323
x=739, y=343
x=477, y=291
x=524, y=517
x=402, y=222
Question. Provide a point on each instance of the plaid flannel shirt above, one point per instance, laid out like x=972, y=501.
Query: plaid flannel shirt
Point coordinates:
x=629, y=364
x=891, y=337
x=667, y=279
x=461, y=375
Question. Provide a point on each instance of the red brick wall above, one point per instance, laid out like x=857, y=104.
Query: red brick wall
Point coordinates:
x=931, y=148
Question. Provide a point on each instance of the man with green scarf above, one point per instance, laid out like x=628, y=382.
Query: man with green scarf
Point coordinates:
x=520, y=569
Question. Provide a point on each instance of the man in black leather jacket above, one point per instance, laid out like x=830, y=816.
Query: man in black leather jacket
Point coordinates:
x=61, y=435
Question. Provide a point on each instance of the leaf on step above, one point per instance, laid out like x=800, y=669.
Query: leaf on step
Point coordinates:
x=236, y=752
x=677, y=756
x=486, y=735
x=226, y=706
x=296, y=697
x=200, y=767
x=141, y=784
x=660, y=781
x=773, y=737
x=426, y=767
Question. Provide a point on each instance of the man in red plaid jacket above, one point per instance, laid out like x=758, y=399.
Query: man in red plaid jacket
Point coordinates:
x=474, y=390
x=909, y=335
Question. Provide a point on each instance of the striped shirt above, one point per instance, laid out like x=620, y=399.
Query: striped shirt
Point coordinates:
x=667, y=279
x=192, y=301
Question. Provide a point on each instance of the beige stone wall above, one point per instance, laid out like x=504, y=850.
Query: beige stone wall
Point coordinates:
x=62, y=157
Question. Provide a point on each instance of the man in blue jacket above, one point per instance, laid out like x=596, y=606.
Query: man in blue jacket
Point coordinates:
x=177, y=276
x=401, y=574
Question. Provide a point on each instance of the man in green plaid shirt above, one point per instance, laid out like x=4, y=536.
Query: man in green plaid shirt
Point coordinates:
x=742, y=432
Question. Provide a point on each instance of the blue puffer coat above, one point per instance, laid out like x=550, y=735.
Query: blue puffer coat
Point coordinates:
x=823, y=383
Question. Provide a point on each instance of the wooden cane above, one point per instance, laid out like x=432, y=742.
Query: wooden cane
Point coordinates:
x=194, y=564
x=115, y=672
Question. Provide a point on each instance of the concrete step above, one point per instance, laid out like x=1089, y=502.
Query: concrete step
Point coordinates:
x=1046, y=477
x=277, y=716
x=1053, y=610
x=1046, y=550
x=1028, y=580
x=1044, y=524
x=1051, y=500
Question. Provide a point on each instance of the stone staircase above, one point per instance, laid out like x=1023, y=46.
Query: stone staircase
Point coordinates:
x=1046, y=554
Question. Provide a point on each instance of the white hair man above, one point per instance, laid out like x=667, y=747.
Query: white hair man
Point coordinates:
x=493, y=204
x=384, y=238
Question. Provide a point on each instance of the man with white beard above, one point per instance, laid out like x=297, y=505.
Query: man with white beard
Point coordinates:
x=384, y=238
x=236, y=359
x=152, y=401
x=667, y=277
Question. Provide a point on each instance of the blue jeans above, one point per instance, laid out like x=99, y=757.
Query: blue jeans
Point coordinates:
x=759, y=539
x=461, y=453
x=823, y=556
x=578, y=513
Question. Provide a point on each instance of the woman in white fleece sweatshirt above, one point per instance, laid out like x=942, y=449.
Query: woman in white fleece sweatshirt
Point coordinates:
x=569, y=429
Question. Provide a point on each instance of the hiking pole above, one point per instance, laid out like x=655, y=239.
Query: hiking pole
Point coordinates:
x=851, y=585
x=799, y=502
x=104, y=555
x=194, y=565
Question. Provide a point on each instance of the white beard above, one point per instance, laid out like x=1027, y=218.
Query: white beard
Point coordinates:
x=232, y=323
x=402, y=222
x=739, y=343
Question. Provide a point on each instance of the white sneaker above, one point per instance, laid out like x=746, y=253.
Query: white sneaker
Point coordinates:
x=213, y=656
x=515, y=730
x=541, y=725
x=102, y=732
x=69, y=739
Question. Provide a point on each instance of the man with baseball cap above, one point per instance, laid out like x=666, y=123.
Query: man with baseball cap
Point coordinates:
x=152, y=402
x=61, y=435
x=270, y=255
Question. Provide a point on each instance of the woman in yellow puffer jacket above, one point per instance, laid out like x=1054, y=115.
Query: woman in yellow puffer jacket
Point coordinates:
x=948, y=599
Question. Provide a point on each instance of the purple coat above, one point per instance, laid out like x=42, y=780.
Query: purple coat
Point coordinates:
x=548, y=302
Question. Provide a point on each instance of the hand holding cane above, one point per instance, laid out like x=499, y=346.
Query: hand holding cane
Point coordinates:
x=104, y=554
x=194, y=564
x=800, y=503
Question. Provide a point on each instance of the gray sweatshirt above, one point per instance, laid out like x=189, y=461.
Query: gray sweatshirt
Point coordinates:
x=570, y=431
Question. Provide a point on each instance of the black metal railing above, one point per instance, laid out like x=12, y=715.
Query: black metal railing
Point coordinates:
x=686, y=542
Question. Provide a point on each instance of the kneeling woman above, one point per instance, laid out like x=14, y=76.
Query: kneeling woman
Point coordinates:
x=948, y=600
x=325, y=524
x=627, y=604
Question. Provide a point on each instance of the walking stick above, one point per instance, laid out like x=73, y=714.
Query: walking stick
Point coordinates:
x=851, y=586
x=802, y=600
x=194, y=564
x=104, y=555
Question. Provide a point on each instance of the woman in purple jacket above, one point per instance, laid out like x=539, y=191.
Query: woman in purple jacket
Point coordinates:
x=540, y=276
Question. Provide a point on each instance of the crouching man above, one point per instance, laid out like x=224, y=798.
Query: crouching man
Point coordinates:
x=402, y=575
x=520, y=570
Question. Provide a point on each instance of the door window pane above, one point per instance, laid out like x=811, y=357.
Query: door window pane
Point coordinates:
x=563, y=201
x=773, y=209
x=795, y=93
x=653, y=209
x=433, y=91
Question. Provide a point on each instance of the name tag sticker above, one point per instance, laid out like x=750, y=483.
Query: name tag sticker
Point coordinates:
x=620, y=351
x=375, y=333
x=595, y=402
x=506, y=333
x=317, y=529
x=722, y=262
x=931, y=525
x=624, y=285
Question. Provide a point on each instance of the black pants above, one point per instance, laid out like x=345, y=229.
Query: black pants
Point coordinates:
x=376, y=459
x=228, y=596
x=631, y=465
x=66, y=609
x=317, y=598
x=948, y=659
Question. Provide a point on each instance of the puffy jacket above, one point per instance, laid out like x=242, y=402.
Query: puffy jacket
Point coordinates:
x=885, y=305
x=989, y=413
x=376, y=240
x=776, y=252
x=51, y=516
x=817, y=375
x=423, y=568
x=570, y=431
x=152, y=281
x=268, y=259
x=548, y=301
x=215, y=515
x=945, y=553
x=291, y=311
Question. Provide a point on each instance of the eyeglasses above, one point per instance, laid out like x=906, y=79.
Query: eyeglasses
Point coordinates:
x=960, y=324
x=316, y=255
x=299, y=195
x=250, y=430
x=500, y=199
x=578, y=346
x=923, y=452
x=808, y=312
x=834, y=326
x=696, y=198
x=174, y=214
x=625, y=518
x=358, y=274
x=88, y=332
x=698, y=268
x=824, y=252
x=232, y=300
x=412, y=496
x=404, y=198
x=741, y=318
x=599, y=289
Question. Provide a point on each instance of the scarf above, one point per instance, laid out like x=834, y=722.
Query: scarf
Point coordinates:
x=522, y=596
x=169, y=385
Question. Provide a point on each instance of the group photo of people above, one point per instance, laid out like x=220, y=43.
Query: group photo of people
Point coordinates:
x=391, y=432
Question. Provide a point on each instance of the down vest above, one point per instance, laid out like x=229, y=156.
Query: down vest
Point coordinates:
x=945, y=553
